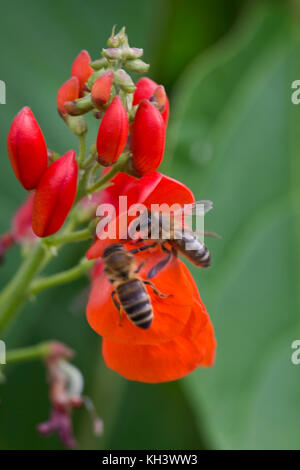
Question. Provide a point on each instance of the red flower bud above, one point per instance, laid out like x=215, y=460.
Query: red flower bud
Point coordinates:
x=147, y=138
x=69, y=91
x=27, y=149
x=145, y=89
x=101, y=89
x=113, y=133
x=55, y=195
x=81, y=68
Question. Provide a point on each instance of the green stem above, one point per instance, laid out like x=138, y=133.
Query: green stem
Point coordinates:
x=78, y=236
x=88, y=162
x=61, y=278
x=82, y=149
x=30, y=353
x=119, y=166
x=14, y=295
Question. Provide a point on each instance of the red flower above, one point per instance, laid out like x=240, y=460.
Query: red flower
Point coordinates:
x=101, y=89
x=148, y=136
x=145, y=89
x=113, y=133
x=21, y=227
x=27, y=149
x=55, y=195
x=81, y=69
x=181, y=336
x=69, y=91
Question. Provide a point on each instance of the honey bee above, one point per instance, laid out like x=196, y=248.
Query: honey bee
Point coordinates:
x=121, y=270
x=169, y=232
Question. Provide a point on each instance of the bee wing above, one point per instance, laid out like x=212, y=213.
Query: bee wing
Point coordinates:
x=200, y=207
x=206, y=233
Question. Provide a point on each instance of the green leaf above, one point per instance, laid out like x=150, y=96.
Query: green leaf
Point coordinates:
x=235, y=140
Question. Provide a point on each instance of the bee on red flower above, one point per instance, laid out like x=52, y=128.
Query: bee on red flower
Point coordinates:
x=181, y=336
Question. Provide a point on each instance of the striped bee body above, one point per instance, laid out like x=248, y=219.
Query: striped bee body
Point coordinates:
x=193, y=249
x=133, y=298
x=135, y=302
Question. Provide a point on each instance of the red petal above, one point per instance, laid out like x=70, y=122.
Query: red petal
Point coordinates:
x=69, y=91
x=167, y=361
x=170, y=314
x=27, y=149
x=113, y=132
x=148, y=135
x=55, y=195
x=169, y=191
x=145, y=88
x=81, y=69
x=100, y=91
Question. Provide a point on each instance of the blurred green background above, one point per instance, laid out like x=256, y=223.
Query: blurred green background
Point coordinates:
x=233, y=138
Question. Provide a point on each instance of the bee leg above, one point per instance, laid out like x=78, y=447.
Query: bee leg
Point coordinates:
x=117, y=305
x=159, y=266
x=143, y=248
x=156, y=291
x=139, y=267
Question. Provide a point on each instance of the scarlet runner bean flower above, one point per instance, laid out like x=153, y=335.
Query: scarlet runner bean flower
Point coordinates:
x=101, y=89
x=181, y=337
x=55, y=195
x=113, y=133
x=145, y=89
x=147, y=138
x=81, y=69
x=27, y=149
x=69, y=91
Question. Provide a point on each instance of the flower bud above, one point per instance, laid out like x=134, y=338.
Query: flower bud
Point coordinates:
x=77, y=124
x=137, y=66
x=80, y=106
x=81, y=69
x=124, y=81
x=147, y=138
x=69, y=91
x=99, y=63
x=112, y=53
x=101, y=89
x=145, y=89
x=55, y=195
x=113, y=133
x=159, y=98
x=27, y=149
x=132, y=53
x=118, y=39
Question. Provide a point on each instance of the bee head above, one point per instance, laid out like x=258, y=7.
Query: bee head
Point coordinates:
x=113, y=248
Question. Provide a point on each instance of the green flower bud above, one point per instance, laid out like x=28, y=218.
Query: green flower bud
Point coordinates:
x=77, y=124
x=117, y=40
x=79, y=106
x=132, y=53
x=112, y=53
x=137, y=66
x=124, y=81
x=99, y=64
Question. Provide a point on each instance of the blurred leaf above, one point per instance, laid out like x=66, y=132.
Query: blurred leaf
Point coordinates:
x=236, y=140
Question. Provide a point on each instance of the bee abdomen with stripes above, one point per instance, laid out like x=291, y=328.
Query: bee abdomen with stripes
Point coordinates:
x=135, y=301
